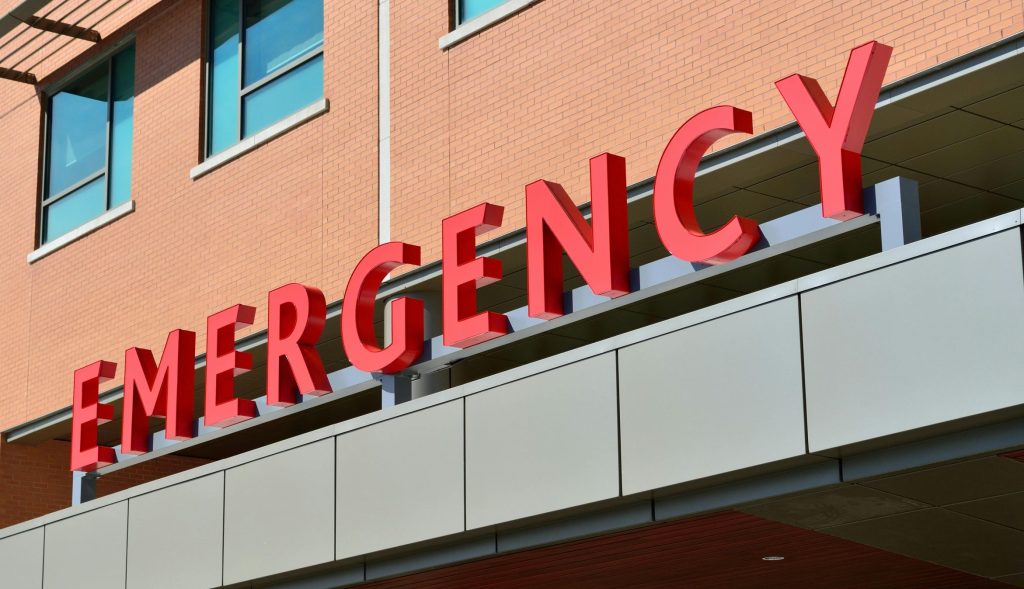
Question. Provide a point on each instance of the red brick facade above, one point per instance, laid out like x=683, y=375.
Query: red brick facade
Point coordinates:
x=534, y=96
x=35, y=480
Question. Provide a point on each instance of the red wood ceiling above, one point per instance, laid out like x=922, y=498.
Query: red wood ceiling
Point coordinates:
x=723, y=550
x=1017, y=455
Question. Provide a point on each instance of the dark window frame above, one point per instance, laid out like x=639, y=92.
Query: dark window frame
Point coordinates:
x=48, y=94
x=455, y=20
x=243, y=90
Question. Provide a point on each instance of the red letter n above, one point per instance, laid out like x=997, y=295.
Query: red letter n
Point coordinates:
x=554, y=224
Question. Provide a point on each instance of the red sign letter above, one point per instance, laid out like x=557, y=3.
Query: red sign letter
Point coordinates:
x=674, y=216
x=837, y=134
x=166, y=391
x=223, y=364
x=357, y=334
x=87, y=413
x=296, y=316
x=462, y=273
x=601, y=252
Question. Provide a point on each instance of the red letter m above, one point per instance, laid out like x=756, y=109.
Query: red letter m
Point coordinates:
x=164, y=391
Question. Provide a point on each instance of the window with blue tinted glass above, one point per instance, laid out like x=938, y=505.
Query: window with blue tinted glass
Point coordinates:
x=224, y=84
x=279, y=98
x=470, y=9
x=122, y=98
x=279, y=44
x=88, y=146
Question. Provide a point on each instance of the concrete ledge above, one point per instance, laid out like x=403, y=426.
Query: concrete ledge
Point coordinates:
x=462, y=549
x=749, y=490
x=934, y=450
x=610, y=519
x=484, y=21
x=81, y=231
x=668, y=508
x=246, y=145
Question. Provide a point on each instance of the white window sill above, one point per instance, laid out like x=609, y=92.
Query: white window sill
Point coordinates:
x=246, y=145
x=484, y=21
x=81, y=231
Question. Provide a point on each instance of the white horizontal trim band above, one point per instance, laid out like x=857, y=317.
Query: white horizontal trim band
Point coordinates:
x=485, y=20
x=246, y=145
x=81, y=231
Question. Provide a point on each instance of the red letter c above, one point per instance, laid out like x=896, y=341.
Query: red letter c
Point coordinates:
x=674, y=216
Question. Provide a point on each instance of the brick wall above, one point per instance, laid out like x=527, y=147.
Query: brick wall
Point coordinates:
x=539, y=94
x=150, y=470
x=297, y=210
x=534, y=96
x=35, y=480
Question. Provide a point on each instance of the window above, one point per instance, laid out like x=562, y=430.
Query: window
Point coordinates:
x=469, y=17
x=265, y=63
x=470, y=9
x=88, y=163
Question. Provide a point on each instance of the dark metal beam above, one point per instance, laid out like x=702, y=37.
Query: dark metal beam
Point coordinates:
x=55, y=26
x=9, y=74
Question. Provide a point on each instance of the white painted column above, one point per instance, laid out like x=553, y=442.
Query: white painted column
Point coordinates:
x=384, y=121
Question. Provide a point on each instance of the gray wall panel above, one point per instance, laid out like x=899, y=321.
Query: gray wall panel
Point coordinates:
x=407, y=470
x=922, y=342
x=87, y=551
x=543, y=443
x=175, y=536
x=712, y=398
x=21, y=560
x=279, y=513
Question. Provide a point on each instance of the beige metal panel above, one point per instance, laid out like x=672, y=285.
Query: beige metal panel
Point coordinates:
x=543, y=443
x=990, y=476
x=21, y=560
x=919, y=343
x=941, y=536
x=712, y=398
x=401, y=481
x=175, y=536
x=838, y=505
x=1003, y=107
x=1014, y=580
x=87, y=551
x=279, y=513
x=1007, y=510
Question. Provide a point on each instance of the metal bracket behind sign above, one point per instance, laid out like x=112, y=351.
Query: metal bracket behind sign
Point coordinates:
x=83, y=487
x=897, y=205
x=894, y=204
x=61, y=28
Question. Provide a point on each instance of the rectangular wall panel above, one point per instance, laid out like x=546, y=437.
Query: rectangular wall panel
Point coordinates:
x=401, y=481
x=543, y=443
x=87, y=551
x=21, y=560
x=712, y=398
x=175, y=536
x=926, y=341
x=279, y=513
